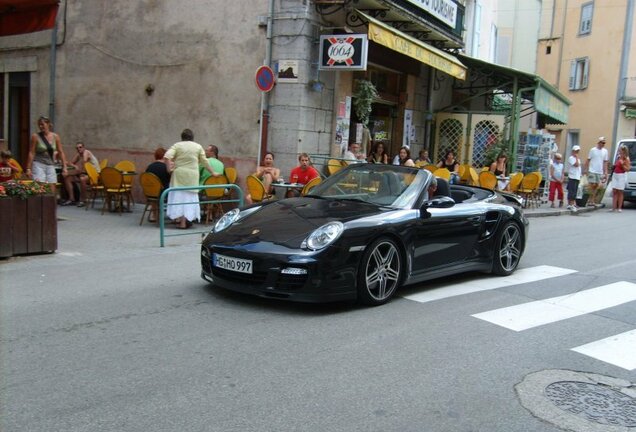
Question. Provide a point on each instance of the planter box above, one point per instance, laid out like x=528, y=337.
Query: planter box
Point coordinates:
x=28, y=226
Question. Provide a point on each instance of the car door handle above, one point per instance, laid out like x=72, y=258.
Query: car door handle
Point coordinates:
x=475, y=220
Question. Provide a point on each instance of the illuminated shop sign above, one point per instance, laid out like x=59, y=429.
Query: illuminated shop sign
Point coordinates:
x=443, y=10
x=348, y=51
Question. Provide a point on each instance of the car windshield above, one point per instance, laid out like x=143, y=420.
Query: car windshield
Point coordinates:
x=385, y=185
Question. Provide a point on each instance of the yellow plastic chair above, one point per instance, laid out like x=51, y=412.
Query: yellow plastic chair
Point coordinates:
x=464, y=174
x=515, y=181
x=488, y=180
x=214, y=209
x=20, y=173
x=152, y=188
x=529, y=189
x=333, y=166
x=256, y=189
x=442, y=173
x=103, y=164
x=474, y=177
x=96, y=187
x=114, y=189
x=310, y=185
x=231, y=175
x=420, y=164
x=431, y=167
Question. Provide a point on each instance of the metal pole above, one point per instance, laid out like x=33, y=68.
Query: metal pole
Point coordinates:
x=622, y=77
x=52, y=62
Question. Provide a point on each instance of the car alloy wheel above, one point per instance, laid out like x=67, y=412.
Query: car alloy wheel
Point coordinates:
x=381, y=272
x=508, y=250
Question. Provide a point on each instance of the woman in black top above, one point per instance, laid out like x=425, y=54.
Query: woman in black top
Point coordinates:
x=451, y=165
x=159, y=168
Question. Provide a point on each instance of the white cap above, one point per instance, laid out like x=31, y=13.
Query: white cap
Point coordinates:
x=576, y=148
x=601, y=138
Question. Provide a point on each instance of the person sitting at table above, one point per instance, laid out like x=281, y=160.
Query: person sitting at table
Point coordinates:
x=212, y=154
x=423, y=157
x=498, y=167
x=404, y=157
x=301, y=174
x=267, y=172
x=378, y=154
x=160, y=168
x=77, y=174
x=8, y=169
x=450, y=163
x=353, y=153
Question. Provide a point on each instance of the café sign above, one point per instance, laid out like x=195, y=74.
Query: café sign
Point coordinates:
x=443, y=10
x=346, y=51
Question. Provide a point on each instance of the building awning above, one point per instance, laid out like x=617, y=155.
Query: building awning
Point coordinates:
x=414, y=48
x=27, y=16
x=546, y=99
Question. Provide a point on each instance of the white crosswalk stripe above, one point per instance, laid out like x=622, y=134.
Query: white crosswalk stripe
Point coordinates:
x=486, y=283
x=537, y=313
x=619, y=350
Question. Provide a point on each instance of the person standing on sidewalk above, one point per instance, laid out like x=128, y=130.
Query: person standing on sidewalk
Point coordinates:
x=619, y=178
x=574, y=177
x=183, y=205
x=596, y=168
x=42, y=148
x=556, y=180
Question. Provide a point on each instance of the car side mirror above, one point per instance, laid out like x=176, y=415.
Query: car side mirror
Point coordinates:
x=436, y=202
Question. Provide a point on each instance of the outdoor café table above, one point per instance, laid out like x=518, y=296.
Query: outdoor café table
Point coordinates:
x=502, y=182
x=284, y=187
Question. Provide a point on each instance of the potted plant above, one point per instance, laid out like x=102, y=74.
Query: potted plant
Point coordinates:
x=28, y=218
x=363, y=97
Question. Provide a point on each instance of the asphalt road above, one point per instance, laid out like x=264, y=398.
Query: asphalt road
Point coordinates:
x=134, y=340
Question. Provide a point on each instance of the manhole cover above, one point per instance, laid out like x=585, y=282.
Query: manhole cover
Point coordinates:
x=593, y=402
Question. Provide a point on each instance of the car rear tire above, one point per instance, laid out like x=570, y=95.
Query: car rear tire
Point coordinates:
x=508, y=250
x=380, y=273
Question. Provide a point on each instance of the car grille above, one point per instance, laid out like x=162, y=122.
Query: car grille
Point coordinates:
x=254, y=278
x=290, y=282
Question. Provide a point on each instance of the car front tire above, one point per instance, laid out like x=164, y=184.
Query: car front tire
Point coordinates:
x=380, y=272
x=508, y=250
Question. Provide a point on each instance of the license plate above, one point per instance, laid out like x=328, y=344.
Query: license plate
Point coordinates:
x=233, y=264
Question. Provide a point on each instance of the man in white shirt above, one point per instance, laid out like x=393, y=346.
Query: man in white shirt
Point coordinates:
x=596, y=168
x=353, y=153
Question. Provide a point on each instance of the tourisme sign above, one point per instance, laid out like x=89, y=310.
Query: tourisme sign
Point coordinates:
x=346, y=51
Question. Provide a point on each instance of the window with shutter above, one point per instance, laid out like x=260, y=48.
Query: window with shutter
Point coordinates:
x=579, y=73
x=585, y=26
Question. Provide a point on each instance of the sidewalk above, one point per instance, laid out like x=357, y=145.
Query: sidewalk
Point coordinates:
x=86, y=236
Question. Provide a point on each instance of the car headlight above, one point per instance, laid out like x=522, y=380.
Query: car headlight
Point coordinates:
x=324, y=236
x=232, y=216
x=226, y=220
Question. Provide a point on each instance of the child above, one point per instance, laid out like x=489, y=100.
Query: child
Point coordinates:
x=8, y=169
x=556, y=180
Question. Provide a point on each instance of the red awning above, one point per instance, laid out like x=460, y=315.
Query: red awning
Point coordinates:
x=26, y=16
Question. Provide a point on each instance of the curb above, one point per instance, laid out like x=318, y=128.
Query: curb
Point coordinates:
x=561, y=212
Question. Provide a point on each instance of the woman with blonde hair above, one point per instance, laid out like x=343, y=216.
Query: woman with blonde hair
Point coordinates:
x=44, y=145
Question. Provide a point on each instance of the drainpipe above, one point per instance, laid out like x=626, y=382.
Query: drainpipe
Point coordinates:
x=52, y=62
x=622, y=78
x=428, y=125
x=264, y=121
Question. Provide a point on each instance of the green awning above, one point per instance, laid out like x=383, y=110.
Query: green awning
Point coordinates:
x=546, y=99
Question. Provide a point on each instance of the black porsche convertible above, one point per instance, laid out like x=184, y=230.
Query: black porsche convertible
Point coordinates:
x=361, y=234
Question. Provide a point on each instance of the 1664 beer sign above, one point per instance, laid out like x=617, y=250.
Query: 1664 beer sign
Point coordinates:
x=348, y=51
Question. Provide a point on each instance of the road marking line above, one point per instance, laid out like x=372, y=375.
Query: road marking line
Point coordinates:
x=521, y=276
x=537, y=313
x=618, y=350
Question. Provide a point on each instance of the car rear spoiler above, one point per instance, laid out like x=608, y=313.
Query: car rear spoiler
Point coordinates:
x=512, y=198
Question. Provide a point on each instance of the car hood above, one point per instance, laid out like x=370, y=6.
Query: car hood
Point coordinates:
x=288, y=222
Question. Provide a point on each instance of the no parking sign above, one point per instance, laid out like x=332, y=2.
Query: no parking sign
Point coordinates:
x=264, y=78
